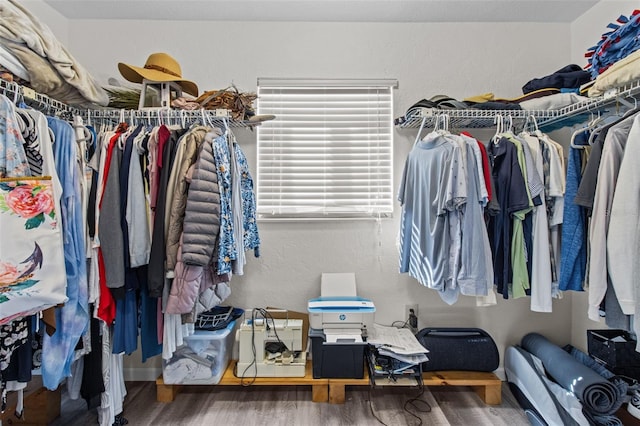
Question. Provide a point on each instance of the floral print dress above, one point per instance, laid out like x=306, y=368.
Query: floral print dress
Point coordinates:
x=13, y=159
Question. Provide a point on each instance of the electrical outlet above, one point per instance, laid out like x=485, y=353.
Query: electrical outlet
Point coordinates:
x=408, y=309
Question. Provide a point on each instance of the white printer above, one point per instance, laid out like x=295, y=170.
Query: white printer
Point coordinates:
x=339, y=312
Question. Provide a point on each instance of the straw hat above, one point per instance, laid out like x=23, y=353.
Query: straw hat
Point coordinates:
x=160, y=67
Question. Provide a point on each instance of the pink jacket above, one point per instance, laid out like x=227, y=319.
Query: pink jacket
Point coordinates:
x=188, y=282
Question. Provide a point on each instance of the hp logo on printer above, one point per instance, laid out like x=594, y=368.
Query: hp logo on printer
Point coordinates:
x=342, y=317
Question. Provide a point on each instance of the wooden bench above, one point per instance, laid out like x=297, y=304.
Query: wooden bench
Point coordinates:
x=41, y=407
x=319, y=387
x=487, y=385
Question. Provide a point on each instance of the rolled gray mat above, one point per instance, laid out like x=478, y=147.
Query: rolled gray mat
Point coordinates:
x=596, y=393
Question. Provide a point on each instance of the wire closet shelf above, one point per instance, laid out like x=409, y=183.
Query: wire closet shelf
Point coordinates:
x=619, y=99
x=48, y=105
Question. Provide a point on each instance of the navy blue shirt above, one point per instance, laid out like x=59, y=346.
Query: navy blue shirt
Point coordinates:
x=511, y=194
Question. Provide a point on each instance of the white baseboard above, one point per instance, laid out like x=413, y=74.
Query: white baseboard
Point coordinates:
x=142, y=374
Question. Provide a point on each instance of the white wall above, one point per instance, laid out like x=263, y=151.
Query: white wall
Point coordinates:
x=587, y=29
x=428, y=59
x=51, y=17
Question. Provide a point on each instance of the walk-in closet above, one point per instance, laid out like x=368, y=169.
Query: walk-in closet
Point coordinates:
x=319, y=212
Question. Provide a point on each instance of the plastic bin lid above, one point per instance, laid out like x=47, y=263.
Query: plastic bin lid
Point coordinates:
x=216, y=334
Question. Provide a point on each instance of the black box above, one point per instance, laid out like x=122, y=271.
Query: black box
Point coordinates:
x=632, y=372
x=335, y=361
x=615, y=354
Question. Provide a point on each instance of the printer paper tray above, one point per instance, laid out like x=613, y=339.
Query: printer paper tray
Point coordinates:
x=400, y=381
x=378, y=378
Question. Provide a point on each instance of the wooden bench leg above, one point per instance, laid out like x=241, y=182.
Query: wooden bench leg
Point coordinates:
x=166, y=393
x=320, y=393
x=41, y=407
x=336, y=393
x=490, y=394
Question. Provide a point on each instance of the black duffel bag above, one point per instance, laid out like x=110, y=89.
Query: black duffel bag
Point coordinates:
x=468, y=349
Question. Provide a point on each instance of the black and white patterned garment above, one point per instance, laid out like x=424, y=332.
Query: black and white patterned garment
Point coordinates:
x=31, y=141
x=12, y=336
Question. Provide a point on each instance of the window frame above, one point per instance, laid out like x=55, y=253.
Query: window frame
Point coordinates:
x=334, y=136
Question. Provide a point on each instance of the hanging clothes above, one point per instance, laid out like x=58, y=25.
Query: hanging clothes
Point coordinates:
x=541, y=276
x=250, y=236
x=187, y=153
x=574, y=242
x=201, y=229
x=73, y=318
x=108, y=223
x=612, y=152
x=13, y=159
x=512, y=196
x=426, y=197
x=623, y=239
x=475, y=277
x=227, y=249
x=166, y=157
x=115, y=189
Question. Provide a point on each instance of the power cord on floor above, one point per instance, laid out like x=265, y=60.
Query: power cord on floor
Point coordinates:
x=373, y=413
x=412, y=402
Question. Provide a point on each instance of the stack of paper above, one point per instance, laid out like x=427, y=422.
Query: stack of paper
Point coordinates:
x=398, y=343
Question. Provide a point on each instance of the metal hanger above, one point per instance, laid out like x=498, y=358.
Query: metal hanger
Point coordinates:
x=422, y=123
x=573, y=138
x=499, y=122
x=509, y=125
x=444, y=117
x=183, y=118
x=531, y=120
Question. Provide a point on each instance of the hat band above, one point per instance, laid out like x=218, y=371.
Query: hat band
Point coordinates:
x=161, y=69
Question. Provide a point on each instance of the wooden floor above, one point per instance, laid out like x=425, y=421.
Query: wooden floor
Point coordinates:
x=292, y=405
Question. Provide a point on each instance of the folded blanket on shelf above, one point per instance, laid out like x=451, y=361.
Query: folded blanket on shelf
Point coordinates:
x=616, y=44
x=621, y=73
x=9, y=62
x=570, y=76
x=556, y=101
x=51, y=68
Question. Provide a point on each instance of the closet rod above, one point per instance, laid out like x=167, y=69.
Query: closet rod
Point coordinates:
x=16, y=92
x=160, y=114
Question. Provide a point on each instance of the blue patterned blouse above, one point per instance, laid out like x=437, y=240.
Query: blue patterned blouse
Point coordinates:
x=251, y=237
x=227, y=250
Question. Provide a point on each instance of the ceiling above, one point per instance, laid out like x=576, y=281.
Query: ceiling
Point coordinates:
x=328, y=10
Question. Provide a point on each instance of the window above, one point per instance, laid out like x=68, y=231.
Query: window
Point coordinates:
x=329, y=151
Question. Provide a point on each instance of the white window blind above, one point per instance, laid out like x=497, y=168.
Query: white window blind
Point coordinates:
x=328, y=153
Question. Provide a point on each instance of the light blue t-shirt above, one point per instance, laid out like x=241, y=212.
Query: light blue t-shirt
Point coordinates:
x=475, y=277
x=424, y=229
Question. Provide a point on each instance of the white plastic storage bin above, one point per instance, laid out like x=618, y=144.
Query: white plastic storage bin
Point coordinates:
x=203, y=358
